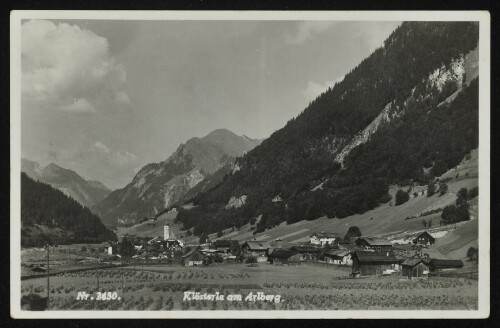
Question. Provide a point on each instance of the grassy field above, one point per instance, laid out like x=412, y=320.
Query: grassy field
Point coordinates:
x=302, y=287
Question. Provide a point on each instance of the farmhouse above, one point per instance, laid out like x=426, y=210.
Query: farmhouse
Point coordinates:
x=424, y=238
x=414, y=267
x=227, y=245
x=368, y=263
x=257, y=249
x=439, y=265
x=373, y=243
x=193, y=258
x=307, y=253
x=284, y=256
x=339, y=256
x=322, y=238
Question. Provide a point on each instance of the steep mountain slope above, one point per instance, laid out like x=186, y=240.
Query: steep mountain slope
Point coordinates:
x=403, y=115
x=160, y=185
x=48, y=215
x=85, y=192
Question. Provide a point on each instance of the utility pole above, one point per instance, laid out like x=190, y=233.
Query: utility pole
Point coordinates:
x=48, y=280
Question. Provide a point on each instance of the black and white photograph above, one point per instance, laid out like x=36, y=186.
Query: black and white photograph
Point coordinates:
x=229, y=164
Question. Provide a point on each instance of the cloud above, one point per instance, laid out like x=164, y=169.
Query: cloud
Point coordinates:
x=69, y=68
x=79, y=106
x=99, y=147
x=305, y=30
x=314, y=89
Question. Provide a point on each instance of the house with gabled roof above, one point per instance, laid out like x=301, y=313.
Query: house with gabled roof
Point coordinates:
x=193, y=258
x=339, y=257
x=424, y=238
x=374, y=243
x=226, y=245
x=257, y=249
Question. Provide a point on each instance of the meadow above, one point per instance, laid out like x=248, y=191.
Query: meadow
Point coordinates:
x=301, y=287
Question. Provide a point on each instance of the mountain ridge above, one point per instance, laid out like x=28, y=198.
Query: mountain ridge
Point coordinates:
x=159, y=185
x=68, y=181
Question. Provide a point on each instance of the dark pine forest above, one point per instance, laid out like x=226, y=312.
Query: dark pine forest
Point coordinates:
x=415, y=147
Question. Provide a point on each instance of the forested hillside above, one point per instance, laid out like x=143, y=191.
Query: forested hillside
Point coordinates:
x=403, y=115
x=48, y=215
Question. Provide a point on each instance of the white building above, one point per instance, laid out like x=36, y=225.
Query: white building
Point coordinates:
x=322, y=238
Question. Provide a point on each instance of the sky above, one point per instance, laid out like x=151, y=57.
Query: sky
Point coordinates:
x=104, y=98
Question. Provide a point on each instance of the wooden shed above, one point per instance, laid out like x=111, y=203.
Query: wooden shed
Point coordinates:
x=438, y=265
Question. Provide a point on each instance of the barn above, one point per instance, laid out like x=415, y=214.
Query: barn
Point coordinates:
x=369, y=263
x=414, y=267
x=257, y=249
x=284, y=256
x=424, y=238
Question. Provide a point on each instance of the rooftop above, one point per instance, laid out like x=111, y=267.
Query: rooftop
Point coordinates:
x=375, y=241
x=258, y=245
x=324, y=234
x=375, y=257
x=282, y=253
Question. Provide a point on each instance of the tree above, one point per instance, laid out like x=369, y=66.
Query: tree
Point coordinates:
x=352, y=232
x=424, y=223
x=401, y=197
x=453, y=213
x=439, y=168
x=462, y=196
x=429, y=223
x=203, y=238
x=431, y=189
x=443, y=188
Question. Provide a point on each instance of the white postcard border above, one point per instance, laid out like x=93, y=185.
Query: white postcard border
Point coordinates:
x=483, y=166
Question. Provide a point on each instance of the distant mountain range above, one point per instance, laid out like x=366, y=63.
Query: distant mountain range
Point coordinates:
x=160, y=185
x=86, y=192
